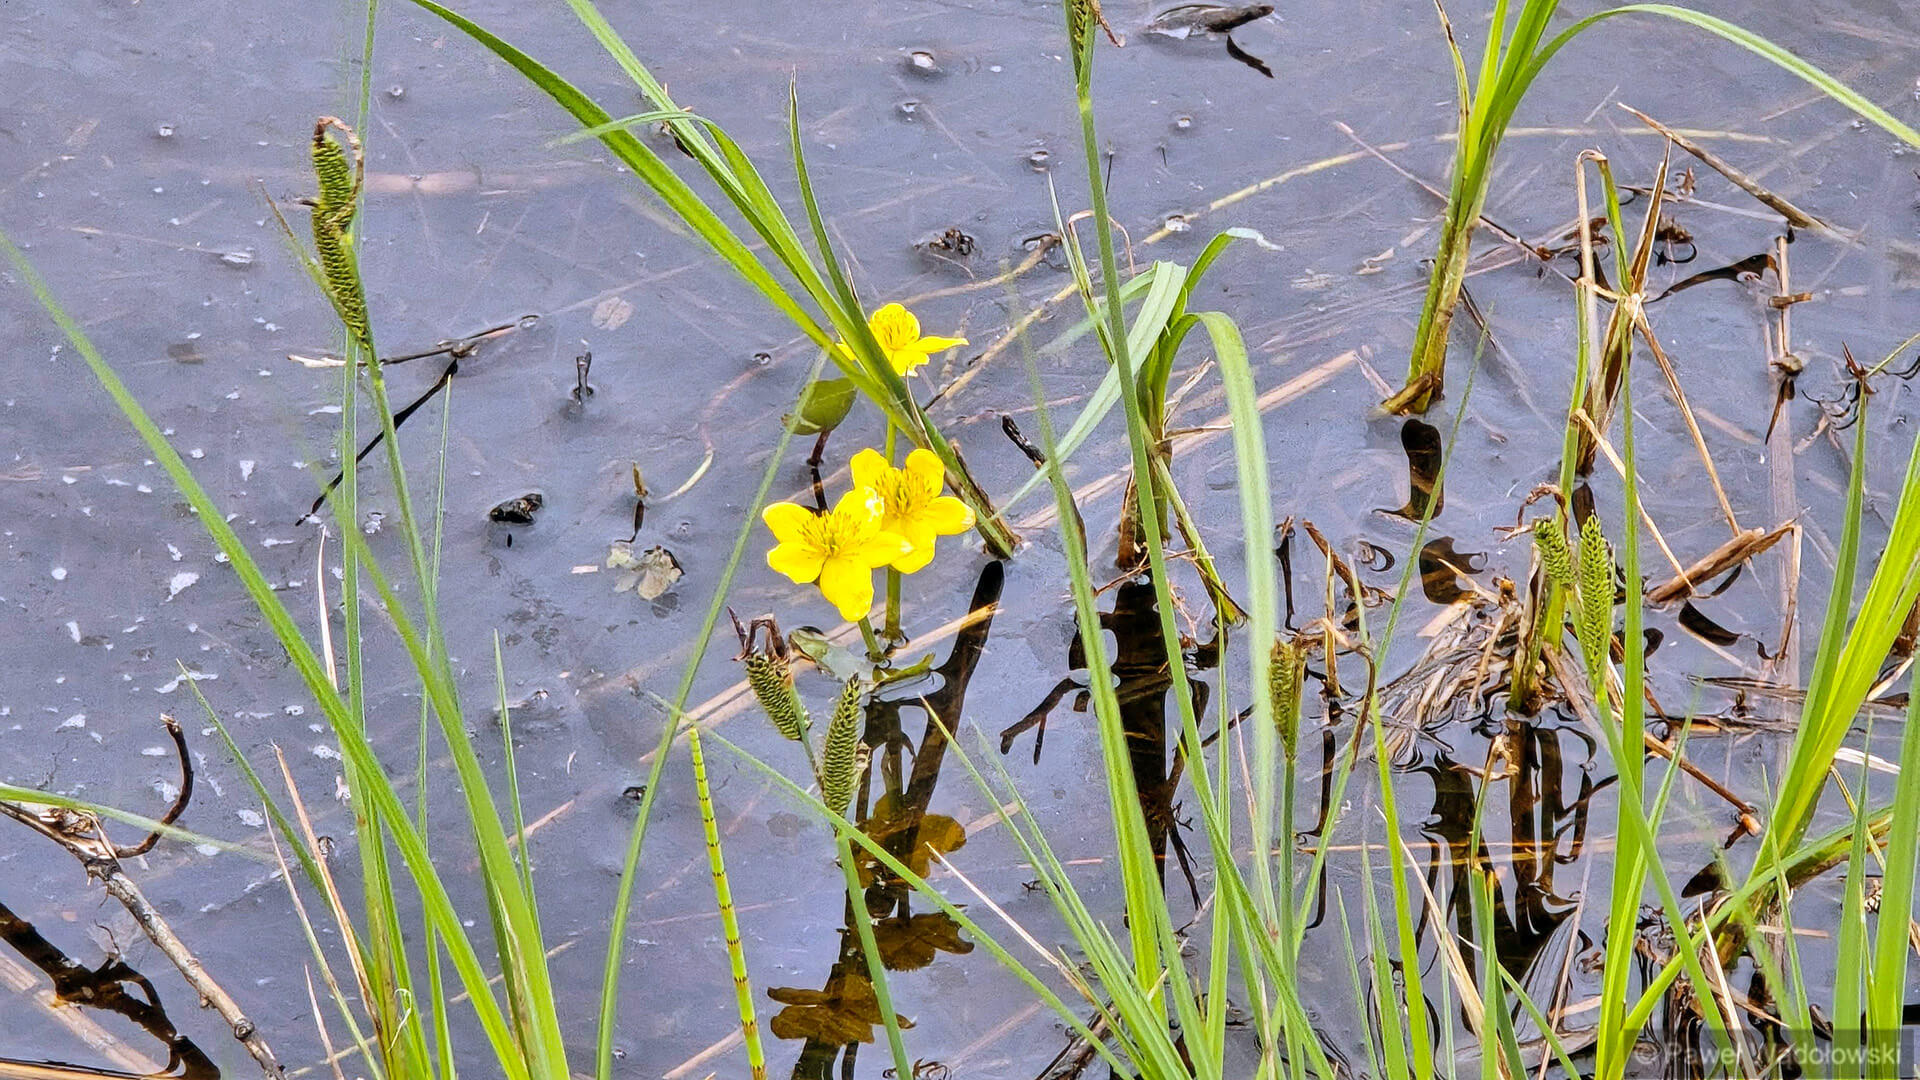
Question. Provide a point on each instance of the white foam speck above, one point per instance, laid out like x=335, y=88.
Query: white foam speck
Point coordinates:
x=73, y=723
x=326, y=753
x=59, y=573
x=250, y=818
x=180, y=581
x=73, y=631
x=246, y=469
x=173, y=684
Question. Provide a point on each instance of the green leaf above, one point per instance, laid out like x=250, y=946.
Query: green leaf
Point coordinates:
x=823, y=405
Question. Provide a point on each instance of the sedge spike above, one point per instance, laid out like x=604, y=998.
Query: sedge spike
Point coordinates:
x=1082, y=17
x=840, y=757
x=333, y=209
x=772, y=682
x=1596, y=593
x=1555, y=554
x=333, y=171
x=1283, y=686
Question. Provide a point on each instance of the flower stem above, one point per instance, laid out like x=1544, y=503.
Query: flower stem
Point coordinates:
x=893, y=634
x=875, y=651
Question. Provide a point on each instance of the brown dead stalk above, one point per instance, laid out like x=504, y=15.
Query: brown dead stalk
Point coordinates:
x=85, y=838
x=1795, y=216
x=1744, y=545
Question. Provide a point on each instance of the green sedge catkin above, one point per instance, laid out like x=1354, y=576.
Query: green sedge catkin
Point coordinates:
x=332, y=169
x=1283, y=686
x=332, y=214
x=1555, y=555
x=1596, y=592
x=1082, y=17
x=772, y=682
x=840, y=758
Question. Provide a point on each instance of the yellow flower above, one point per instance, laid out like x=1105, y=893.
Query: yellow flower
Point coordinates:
x=898, y=333
x=914, y=508
x=840, y=548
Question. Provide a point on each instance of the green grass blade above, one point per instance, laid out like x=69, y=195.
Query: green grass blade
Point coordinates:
x=1742, y=37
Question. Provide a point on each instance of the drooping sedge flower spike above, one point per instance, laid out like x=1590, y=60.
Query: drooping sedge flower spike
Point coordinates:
x=898, y=334
x=914, y=508
x=840, y=548
x=840, y=757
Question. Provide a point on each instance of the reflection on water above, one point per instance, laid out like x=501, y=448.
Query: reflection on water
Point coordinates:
x=113, y=987
x=1425, y=455
x=1142, y=680
x=1544, y=765
x=834, y=1020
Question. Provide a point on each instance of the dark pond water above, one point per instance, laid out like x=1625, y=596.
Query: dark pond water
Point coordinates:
x=136, y=165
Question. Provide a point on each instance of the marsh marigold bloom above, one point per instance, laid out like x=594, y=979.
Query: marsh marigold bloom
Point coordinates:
x=898, y=333
x=840, y=548
x=914, y=508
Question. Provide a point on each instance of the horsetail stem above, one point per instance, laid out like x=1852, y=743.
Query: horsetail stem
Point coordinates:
x=729, y=920
x=339, y=191
x=1555, y=554
x=1283, y=685
x=840, y=758
x=1595, y=625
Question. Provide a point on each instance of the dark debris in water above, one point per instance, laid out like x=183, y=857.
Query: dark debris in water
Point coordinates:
x=518, y=511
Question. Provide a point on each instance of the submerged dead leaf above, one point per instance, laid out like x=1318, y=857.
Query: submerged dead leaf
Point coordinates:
x=846, y=1012
x=908, y=944
x=612, y=313
x=649, y=574
x=893, y=827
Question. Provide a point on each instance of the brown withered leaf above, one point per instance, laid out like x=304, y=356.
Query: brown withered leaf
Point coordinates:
x=846, y=1012
x=889, y=825
x=911, y=943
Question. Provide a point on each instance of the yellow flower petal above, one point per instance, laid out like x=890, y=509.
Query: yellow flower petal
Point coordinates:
x=882, y=549
x=848, y=586
x=800, y=562
x=908, y=359
x=787, y=520
x=868, y=467
x=894, y=327
x=925, y=466
x=862, y=505
x=938, y=344
x=919, y=553
x=947, y=516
